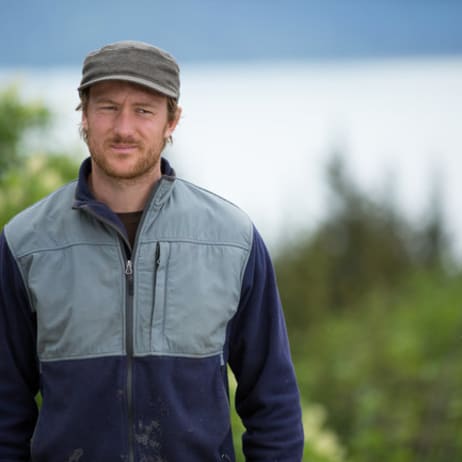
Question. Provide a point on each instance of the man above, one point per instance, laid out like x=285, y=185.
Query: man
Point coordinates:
x=124, y=295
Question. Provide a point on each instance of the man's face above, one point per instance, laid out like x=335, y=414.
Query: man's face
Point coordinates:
x=127, y=127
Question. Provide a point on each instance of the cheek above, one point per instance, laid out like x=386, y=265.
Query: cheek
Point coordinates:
x=97, y=127
x=152, y=133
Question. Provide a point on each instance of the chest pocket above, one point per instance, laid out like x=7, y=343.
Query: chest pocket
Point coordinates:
x=186, y=293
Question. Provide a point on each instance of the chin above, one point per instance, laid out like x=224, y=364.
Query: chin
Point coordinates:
x=125, y=167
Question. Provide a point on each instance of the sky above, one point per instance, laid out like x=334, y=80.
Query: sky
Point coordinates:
x=54, y=32
x=270, y=88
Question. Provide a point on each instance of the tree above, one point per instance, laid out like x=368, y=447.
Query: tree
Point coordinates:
x=363, y=244
x=26, y=177
x=374, y=325
x=17, y=119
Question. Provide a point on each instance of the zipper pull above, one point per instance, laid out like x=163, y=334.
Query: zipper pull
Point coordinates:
x=129, y=275
x=157, y=256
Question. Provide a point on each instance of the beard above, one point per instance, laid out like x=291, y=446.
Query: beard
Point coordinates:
x=123, y=167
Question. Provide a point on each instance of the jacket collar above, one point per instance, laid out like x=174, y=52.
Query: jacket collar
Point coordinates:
x=84, y=198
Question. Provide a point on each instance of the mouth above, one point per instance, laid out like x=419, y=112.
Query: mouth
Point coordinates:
x=123, y=147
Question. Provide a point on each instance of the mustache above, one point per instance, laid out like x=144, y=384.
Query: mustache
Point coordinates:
x=117, y=139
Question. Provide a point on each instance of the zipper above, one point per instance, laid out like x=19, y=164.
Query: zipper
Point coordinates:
x=129, y=352
x=129, y=275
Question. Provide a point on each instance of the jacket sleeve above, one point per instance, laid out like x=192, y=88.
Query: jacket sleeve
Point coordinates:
x=267, y=396
x=19, y=375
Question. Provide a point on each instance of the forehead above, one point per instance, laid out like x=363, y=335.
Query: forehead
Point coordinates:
x=120, y=89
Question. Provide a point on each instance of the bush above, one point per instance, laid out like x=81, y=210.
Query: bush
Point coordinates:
x=390, y=374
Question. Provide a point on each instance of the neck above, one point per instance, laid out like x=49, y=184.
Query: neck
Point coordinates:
x=121, y=195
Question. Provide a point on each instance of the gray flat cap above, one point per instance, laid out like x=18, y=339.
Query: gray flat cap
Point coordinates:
x=135, y=62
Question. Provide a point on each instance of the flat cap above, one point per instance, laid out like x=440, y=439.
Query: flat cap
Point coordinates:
x=132, y=61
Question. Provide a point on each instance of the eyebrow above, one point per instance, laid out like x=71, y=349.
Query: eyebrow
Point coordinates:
x=106, y=99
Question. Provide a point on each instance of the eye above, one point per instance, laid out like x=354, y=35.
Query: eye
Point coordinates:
x=107, y=107
x=142, y=110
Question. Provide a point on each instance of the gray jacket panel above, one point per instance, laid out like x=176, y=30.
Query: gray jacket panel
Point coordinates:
x=189, y=259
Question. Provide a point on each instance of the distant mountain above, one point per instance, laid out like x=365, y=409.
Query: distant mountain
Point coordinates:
x=56, y=32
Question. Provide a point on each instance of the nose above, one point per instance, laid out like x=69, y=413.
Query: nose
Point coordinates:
x=123, y=123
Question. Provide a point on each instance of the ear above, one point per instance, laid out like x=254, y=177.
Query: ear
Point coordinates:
x=84, y=123
x=172, y=124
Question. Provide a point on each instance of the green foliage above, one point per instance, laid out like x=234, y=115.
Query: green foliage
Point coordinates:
x=374, y=320
x=389, y=372
x=363, y=245
x=17, y=119
x=36, y=177
x=24, y=179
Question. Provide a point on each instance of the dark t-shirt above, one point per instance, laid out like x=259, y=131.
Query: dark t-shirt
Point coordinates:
x=131, y=221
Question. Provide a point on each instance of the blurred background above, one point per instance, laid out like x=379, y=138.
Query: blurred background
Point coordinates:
x=336, y=125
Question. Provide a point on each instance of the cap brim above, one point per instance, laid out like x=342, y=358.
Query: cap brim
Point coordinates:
x=133, y=79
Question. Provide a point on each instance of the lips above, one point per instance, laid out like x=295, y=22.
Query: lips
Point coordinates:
x=123, y=147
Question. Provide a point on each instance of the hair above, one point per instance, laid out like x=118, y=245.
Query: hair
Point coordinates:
x=172, y=108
